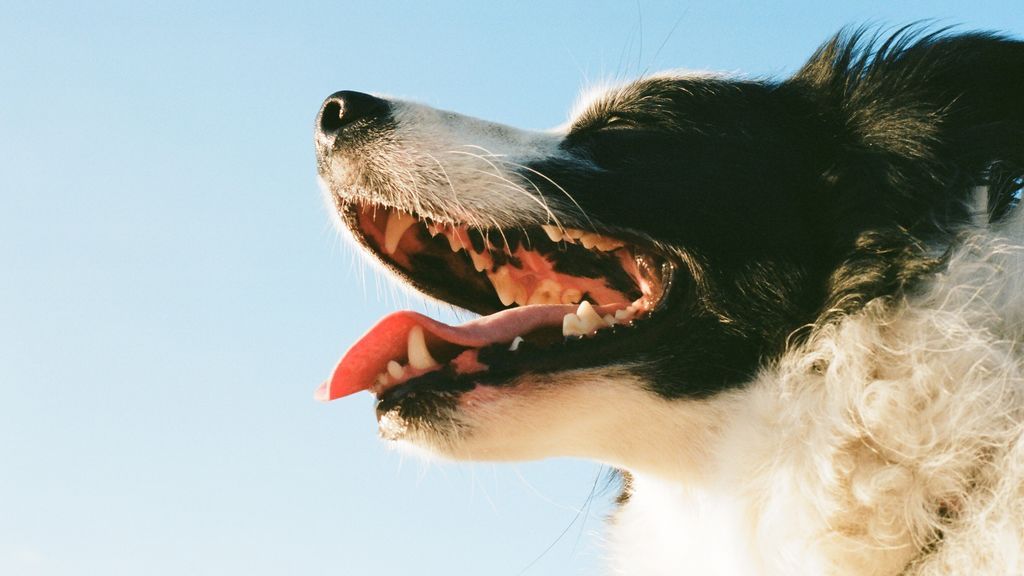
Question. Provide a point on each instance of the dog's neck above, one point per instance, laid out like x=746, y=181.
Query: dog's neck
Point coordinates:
x=746, y=499
x=887, y=444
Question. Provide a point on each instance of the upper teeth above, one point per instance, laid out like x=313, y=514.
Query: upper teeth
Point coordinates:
x=589, y=240
x=508, y=289
x=398, y=223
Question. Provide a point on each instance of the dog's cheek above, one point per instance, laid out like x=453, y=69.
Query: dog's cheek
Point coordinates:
x=573, y=413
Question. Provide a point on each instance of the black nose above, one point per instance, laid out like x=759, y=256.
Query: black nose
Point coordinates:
x=345, y=107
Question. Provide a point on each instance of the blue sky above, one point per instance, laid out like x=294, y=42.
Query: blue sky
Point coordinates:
x=173, y=290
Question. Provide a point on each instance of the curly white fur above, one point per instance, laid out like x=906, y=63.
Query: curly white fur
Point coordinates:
x=889, y=443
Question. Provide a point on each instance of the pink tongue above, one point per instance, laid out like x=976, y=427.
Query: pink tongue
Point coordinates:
x=387, y=341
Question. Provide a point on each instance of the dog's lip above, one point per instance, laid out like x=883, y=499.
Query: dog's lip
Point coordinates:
x=369, y=356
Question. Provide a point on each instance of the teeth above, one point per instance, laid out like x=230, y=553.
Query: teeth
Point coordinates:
x=398, y=223
x=548, y=292
x=603, y=243
x=508, y=289
x=453, y=241
x=608, y=244
x=573, y=234
x=553, y=232
x=515, y=344
x=419, y=355
x=572, y=326
x=521, y=297
x=502, y=285
x=585, y=321
x=481, y=261
x=624, y=315
x=589, y=240
x=590, y=318
x=382, y=380
x=395, y=370
x=571, y=296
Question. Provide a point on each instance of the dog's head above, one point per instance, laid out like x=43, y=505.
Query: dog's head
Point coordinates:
x=678, y=233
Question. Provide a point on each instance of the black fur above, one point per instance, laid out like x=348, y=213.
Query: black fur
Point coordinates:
x=791, y=203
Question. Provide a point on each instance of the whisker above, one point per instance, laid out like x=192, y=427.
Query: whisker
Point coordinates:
x=497, y=174
x=556, y=185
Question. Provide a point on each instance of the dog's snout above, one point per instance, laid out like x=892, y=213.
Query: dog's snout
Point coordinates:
x=345, y=107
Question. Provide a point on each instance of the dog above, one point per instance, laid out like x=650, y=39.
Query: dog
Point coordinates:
x=791, y=313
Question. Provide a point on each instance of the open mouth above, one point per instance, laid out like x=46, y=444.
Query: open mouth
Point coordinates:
x=550, y=298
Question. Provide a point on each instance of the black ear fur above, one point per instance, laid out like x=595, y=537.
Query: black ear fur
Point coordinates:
x=918, y=122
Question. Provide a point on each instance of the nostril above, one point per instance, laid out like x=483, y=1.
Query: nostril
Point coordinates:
x=330, y=117
x=345, y=107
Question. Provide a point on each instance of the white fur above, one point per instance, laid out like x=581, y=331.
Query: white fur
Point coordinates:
x=839, y=459
x=888, y=443
x=448, y=167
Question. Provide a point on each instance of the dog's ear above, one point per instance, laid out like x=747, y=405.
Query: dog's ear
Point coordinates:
x=909, y=127
x=915, y=123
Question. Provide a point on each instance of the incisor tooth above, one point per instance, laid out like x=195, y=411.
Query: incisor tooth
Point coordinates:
x=553, y=232
x=419, y=355
x=382, y=380
x=398, y=223
x=395, y=370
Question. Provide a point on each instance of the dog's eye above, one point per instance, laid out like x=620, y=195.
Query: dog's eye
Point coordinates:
x=616, y=121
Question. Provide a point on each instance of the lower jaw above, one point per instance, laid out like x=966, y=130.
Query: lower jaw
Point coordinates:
x=439, y=395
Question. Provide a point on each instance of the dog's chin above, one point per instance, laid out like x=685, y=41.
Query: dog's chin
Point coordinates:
x=605, y=414
x=523, y=419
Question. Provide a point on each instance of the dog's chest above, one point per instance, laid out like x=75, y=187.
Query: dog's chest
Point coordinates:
x=665, y=529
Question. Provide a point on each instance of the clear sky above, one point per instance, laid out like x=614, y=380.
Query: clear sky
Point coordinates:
x=172, y=290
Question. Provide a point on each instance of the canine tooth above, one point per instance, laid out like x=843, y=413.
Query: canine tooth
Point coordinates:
x=419, y=355
x=398, y=223
x=481, y=261
x=553, y=232
x=571, y=296
x=515, y=344
x=395, y=370
x=546, y=293
x=572, y=325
